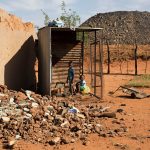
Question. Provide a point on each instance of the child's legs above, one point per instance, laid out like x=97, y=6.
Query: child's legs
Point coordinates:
x=70, y=87
x=78, y=86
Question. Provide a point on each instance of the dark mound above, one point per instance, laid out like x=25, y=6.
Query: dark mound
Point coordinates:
x=123, y=26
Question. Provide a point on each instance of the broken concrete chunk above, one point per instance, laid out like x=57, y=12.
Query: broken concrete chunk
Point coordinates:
x=80, y=116
x=18, y=137
x=108, y=115
x=35, y=105
x=21, y=96
x=12, y=142
x=54, y=122
x=104, y=109
x=46, y=114
x=120, y=110
x=11, y=101
x=54, y=141
x=28, y=93
x=6, y=119
x=50, y=108
x=26, y=109
x=1, y=94
x=65, y=124
x=28, y=115
x=66, y=140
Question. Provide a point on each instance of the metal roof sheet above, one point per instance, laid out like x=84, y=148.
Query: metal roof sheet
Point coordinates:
x=86, y=29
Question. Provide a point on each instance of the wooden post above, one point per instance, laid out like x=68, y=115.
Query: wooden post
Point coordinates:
x=127, y=64
x=50, y=63
x=83, y=52
x=146, y=62
x=135, y=57
x=127, y=58
x=91, y=59
x=108, y=56
x=95, y=63
x=101, y=63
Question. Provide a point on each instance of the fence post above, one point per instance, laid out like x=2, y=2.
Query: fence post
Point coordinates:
x=146, y=62
x=108, y=56
x=135, y=57
x=83, y=52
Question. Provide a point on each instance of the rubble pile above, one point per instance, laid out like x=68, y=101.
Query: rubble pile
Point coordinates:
x=35, y=118
x=10, y=21
x=122, y=27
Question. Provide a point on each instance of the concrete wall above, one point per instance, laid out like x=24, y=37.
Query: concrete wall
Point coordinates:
x=17, y=54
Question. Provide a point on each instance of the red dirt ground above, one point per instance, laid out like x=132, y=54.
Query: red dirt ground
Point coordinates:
x=136, y=119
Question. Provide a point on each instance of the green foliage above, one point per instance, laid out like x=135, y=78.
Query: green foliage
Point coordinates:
x=47, y=19
x=140, y=81
x=80, y=37
x=70, y=18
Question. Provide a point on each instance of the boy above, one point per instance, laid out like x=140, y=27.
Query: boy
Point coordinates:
x=70, y=77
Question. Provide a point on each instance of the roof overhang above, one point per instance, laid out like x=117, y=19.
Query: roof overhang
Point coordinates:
x=79, y=29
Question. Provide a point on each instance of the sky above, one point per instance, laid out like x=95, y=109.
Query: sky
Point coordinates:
x=30, y=10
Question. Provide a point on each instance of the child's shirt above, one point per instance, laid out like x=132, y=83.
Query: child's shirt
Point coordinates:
x=83, y=83
x=70, y=73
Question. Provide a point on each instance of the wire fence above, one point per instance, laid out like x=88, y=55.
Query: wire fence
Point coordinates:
x=126, y=59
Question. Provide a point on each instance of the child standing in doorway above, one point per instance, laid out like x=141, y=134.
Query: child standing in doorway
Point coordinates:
x=70, y=77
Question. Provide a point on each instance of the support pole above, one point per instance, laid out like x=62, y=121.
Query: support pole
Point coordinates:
x=135, y=57
x=91, y=65
x=146, y=62
x=83, y=52
x=127, y=63
x=101, y=63
x=50, y=51
x=95, y=62
x=108, y=57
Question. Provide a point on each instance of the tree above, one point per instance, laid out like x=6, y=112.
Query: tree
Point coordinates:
x=70, y=18
x=47, y=19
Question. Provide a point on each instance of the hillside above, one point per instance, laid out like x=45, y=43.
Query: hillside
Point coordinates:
x=125, y=25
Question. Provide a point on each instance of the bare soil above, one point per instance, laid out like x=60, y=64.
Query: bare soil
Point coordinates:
x=136, y=118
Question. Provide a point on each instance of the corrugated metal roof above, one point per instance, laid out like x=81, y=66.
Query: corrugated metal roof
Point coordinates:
x=86, y=29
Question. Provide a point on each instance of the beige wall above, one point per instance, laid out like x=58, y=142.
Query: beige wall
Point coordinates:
x=17, y=54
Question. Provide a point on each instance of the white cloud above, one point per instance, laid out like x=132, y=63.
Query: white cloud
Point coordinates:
x=13, y=5
x=29, y=9
x=115, y=5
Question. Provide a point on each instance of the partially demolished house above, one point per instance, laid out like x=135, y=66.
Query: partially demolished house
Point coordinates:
x=59, y=46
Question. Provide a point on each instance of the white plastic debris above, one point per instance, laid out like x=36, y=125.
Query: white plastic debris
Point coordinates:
x=28, y=115
x=98, y=125
x=5, y=119
x=104, y=109
x=11, y=101
x=26, y=109
x=18, y=137
x=28, y=93
x=76, y=109
x=12, y=142
x=35, y=105
x=46, y=114
x=1, y=94
x=56, y=140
